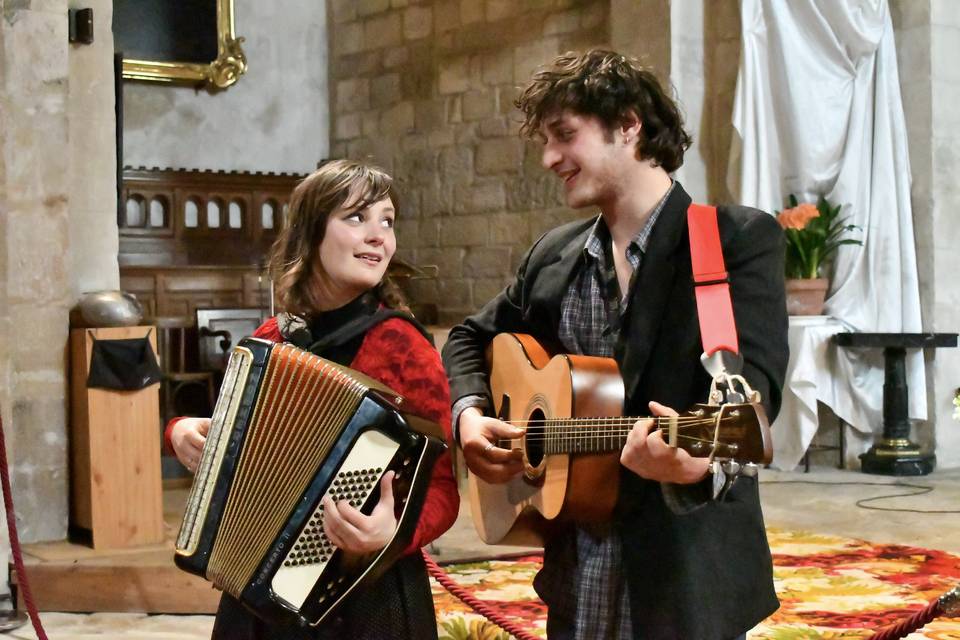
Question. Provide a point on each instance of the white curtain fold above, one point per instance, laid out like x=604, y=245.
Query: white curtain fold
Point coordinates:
x=818, y=111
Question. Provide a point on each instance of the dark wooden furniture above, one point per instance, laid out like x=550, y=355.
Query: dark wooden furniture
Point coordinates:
x=174, y=337
x=176, y=217
x=221, y=329
x=895, y=454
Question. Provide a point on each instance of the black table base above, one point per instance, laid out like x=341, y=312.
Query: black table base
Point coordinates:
x=895, y=454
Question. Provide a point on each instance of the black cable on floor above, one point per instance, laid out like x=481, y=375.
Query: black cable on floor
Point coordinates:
x=921, y=490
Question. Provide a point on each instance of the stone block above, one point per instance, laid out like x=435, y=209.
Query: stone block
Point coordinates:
x=499, y=155
x=39, y=169
x=465, y=231
x=506, y=97
x=448, y=260
x=370, y=7
x=944, y=13
x=93, y=165
x=417, y=22
x=455, y=292
x=38, y=241
x=467, y=134
x=398, y=119
x=479, y=198
x=511, y=228
x=383, y=30
x=446, y=15
x=385, y=90
x=496, y=127
x=593, y=16
x=428, y=233
x=486, y=289
x=369, y=123
x=497, y=67
x=501, y=9
x=456, y=164
x=487, y=262
x=471, y=11
x=42, y=493
x=343, y=10
x=347, y=126
x=41, y=428
x=454, y=108
x=441, y=137
x=39, y=361
x=395, y=57
x=564, y=22
x=430, y=114
x=454, y=76
x=353, y=95
x=421, y=291
x=36, y=53
x=478, y=105
x=348, y=38
x=436, y=200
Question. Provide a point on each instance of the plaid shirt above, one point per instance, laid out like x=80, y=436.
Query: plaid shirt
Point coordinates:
x=581, y=575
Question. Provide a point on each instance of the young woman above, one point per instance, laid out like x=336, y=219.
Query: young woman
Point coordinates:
x=328, y=266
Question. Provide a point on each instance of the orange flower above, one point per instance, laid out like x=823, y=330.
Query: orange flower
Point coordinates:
x=798, y=216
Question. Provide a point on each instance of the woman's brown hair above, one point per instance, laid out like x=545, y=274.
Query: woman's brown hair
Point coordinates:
x=608, y=85
x=293, y=255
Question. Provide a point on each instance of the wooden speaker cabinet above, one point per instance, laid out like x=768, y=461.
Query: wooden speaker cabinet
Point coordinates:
x=116, y=489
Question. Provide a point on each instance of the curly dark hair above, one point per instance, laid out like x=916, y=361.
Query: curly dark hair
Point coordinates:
x=293, y=257
x=608, y=85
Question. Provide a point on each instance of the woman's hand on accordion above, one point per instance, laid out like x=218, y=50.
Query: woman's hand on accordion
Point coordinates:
x=353, y=532
x=187, y=437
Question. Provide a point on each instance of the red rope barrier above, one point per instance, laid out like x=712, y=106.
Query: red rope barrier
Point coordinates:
x=947, y=604
x=473, y=602
x=15, y=540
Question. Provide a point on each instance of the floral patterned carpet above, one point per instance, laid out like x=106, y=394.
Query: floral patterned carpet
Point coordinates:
x=830, y=588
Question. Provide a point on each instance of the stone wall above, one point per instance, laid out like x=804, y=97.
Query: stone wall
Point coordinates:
x=426, y=89
x=35, y=291
x=273, y=119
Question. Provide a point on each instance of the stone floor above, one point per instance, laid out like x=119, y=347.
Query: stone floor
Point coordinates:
x=824, y=500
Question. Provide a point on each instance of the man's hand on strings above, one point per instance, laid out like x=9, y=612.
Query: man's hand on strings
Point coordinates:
x=649, y=456
x=353, y=532
x=480, y=437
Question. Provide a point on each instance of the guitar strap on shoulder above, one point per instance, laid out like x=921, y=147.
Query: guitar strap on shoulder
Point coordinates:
x=718, y=329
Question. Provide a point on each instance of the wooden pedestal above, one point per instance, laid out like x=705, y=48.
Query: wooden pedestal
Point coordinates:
x=116, y=490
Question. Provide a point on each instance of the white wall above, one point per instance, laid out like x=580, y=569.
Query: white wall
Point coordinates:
x=275, y=118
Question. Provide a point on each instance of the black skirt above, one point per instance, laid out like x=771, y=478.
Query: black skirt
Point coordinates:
x=398, y=606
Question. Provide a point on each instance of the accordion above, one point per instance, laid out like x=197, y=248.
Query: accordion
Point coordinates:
x=288, y=429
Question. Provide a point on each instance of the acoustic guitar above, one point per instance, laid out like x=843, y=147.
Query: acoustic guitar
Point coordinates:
x=571, y=408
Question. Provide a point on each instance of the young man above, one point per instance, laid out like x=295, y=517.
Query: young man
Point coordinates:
x=674, y=562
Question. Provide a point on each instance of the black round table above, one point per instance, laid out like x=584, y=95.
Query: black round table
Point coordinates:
x=895, y=454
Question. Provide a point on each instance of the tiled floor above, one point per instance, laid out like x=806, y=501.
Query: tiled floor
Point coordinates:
x=824, y=500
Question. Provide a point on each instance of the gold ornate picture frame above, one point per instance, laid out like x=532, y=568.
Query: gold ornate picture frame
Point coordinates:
x=219, y=73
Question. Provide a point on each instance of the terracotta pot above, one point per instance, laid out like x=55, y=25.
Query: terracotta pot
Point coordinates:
x=805, y=296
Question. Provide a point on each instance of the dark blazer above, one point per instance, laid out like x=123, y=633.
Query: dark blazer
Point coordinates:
x=704, y=574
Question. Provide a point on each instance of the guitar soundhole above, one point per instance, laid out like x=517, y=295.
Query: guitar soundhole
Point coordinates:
x=534, y=440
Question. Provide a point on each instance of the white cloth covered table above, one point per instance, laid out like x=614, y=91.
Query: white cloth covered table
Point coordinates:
x=817, y=372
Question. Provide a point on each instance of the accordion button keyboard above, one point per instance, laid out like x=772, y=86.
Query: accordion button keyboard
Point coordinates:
x=309, y=556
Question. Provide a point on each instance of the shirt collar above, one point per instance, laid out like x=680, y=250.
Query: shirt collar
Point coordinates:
x=600, y=234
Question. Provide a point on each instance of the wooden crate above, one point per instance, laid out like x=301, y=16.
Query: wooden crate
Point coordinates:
x=116, y=489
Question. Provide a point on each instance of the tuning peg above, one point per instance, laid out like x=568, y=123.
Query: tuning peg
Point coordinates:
x=750, y=470
x=730, y=467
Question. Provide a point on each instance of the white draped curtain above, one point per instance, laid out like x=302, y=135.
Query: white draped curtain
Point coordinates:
x=818, y=112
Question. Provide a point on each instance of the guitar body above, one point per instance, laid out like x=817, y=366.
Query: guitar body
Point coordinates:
x=527, y=384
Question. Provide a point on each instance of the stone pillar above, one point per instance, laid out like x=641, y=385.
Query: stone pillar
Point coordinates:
x=928, y=44
x=34, y=263
x=92, y=152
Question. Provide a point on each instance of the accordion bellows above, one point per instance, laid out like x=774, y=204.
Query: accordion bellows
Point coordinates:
x=289, y=428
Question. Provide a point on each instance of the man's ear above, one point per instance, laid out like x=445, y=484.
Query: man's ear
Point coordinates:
x=630, y=126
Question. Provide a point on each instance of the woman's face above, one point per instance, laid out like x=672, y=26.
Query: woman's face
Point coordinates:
x=357, y=247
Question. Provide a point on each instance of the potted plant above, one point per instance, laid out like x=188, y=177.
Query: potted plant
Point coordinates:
x=813, y=234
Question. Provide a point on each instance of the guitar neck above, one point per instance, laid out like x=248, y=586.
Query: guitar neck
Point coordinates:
x=590, y=435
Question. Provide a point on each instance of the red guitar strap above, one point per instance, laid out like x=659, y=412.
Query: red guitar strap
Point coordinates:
x=718, y=329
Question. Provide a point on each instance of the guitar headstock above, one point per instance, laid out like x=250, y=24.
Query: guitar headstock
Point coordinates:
x=738, y=432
